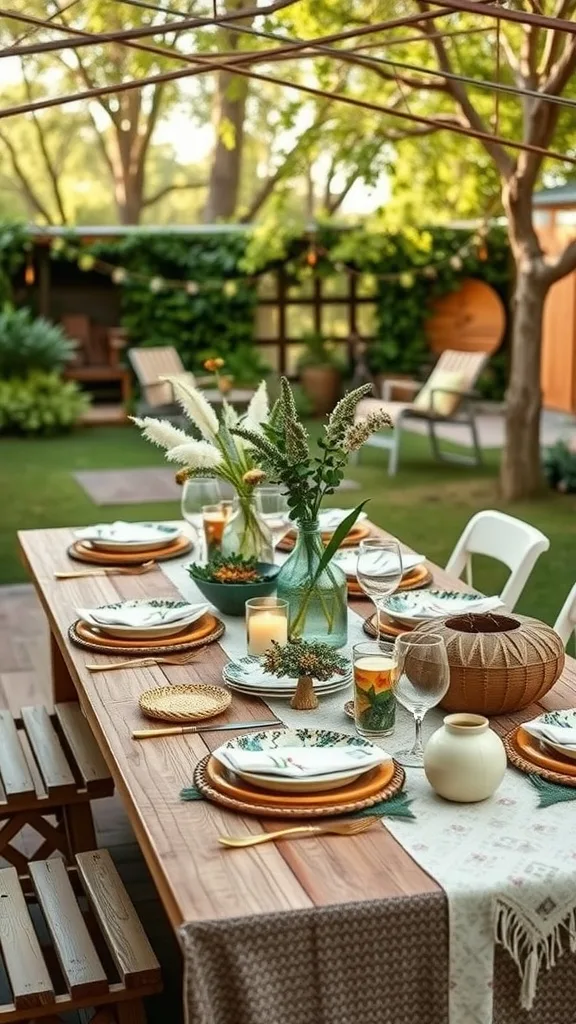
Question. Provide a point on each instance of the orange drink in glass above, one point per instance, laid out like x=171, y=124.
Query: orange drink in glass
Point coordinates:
x=374, y=700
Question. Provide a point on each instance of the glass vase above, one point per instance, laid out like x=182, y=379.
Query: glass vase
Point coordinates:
x=246, y=533
x=317, y=607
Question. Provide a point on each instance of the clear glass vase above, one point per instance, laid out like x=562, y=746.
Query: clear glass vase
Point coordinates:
x=317, y=608
x=246, y=533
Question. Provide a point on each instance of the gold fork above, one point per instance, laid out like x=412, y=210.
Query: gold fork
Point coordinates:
x=339, y=828
x=107, y=570
x=168, y=659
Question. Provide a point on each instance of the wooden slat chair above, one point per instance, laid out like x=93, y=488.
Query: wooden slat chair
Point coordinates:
x=446, y=397
x=98, y=352
x=109, y=930
x=50, y=770
x=150, y=364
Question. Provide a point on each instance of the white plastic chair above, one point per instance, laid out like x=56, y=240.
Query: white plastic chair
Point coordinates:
x=565, y=624
x=513, y=542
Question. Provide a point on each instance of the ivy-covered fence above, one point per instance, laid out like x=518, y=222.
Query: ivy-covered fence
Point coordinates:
x=199, y=292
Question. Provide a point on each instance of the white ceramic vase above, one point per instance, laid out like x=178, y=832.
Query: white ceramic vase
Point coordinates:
x=464, y=760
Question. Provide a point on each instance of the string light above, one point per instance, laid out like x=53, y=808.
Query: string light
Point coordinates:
x=29, y=272
x=302, y=268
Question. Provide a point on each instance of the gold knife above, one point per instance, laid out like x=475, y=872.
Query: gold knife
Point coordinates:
x=182, y=730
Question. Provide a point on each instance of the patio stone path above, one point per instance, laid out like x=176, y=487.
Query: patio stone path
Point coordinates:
x=25, y=679
x=141, y=486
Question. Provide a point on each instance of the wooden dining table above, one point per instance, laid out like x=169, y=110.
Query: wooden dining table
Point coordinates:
x=198, y=880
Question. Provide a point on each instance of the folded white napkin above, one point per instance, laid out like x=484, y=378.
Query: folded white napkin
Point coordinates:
x=300, y=762
x=135, y=533
x=429, y=607
x=563, y=736
x=330, y=518
x=141, y=615
x=375, y=561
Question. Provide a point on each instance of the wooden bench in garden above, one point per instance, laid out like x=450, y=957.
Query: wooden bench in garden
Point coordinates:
x=104, y=959
x=98, y=353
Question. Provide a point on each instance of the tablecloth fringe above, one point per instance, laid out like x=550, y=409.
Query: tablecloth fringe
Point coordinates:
x=530, y=948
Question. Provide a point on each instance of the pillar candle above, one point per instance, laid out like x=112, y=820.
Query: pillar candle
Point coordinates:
x=263, y=628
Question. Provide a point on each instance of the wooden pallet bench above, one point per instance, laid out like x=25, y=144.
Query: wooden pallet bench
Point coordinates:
x=98, y=955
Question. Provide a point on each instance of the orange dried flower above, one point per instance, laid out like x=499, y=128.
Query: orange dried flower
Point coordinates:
x=253, y=477
x=182, y=476
x=236, y=574
x=214, y=364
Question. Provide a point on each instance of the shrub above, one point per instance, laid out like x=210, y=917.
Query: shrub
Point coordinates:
x=560, y=467
x=41, y=403
x=28, y=344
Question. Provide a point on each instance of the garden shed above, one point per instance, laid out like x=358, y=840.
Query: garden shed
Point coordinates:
x=555, y=220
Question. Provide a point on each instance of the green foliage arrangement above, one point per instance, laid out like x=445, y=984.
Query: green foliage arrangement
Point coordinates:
x=560, y=467
x=216, y=320
x=228, y=569
x=29, y=344
x=14, y=242
x=304, y=658
x=41, y=403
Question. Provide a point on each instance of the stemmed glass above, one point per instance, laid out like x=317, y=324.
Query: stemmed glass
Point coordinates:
x=272, y=507
x=420, y=681
x=196, y=493
x=379, y=571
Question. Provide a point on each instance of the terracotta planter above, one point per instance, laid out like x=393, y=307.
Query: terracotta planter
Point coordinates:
x=321, y=384
x=498, y=663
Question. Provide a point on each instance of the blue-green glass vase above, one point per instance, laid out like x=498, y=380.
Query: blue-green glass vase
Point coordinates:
x=317, y=608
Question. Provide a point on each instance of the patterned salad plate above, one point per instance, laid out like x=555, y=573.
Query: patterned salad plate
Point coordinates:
x=180, y=614
x=415, y=607
x=219, y=785
x=290, y=738
x=204, y=631
x=245, y=675
x=560, y=720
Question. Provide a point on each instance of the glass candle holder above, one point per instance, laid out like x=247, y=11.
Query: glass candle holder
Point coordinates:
x=374, y=701
x=266, y=620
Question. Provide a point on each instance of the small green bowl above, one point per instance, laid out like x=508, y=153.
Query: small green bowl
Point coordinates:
x=230, y=598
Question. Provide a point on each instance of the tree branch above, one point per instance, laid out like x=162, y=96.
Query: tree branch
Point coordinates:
x=50, y=169
x=564, y=264
x=156, y=196
x=27, y=188
x=553, y=40
x=503, y=162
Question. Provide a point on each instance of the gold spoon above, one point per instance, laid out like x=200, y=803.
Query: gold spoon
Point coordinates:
x=341, y=828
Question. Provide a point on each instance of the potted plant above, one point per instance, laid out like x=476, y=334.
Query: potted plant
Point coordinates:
x=321, y=371
x=305, y=662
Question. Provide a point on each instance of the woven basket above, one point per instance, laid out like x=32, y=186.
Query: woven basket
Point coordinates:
x=498, y=663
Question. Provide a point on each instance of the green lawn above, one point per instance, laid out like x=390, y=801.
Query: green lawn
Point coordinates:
x=426, y=505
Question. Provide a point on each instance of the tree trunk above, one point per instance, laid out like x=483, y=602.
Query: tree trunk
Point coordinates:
x=228, y=115
x=228, y=120
x=521, y=472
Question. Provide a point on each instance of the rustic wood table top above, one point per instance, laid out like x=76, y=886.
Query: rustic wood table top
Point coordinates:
x=197, y=879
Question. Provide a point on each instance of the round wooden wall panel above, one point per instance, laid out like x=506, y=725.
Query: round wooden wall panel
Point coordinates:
x=471, y=319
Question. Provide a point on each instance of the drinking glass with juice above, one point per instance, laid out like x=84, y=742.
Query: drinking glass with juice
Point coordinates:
x=374, y=700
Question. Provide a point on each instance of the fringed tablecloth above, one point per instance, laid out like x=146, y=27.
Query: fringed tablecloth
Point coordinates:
x=508, y=874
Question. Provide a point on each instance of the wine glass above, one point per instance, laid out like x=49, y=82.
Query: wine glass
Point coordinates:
x=420, y=681
x=379, y=571
x=272, y=507
x=196, y=493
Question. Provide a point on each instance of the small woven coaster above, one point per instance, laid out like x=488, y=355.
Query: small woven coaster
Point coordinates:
x=185, y=703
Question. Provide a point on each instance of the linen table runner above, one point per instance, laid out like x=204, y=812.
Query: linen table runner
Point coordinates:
x=508, y=869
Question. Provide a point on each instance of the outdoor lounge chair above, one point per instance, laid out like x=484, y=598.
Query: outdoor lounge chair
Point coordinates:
x=157, y=399
x=446, y=397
